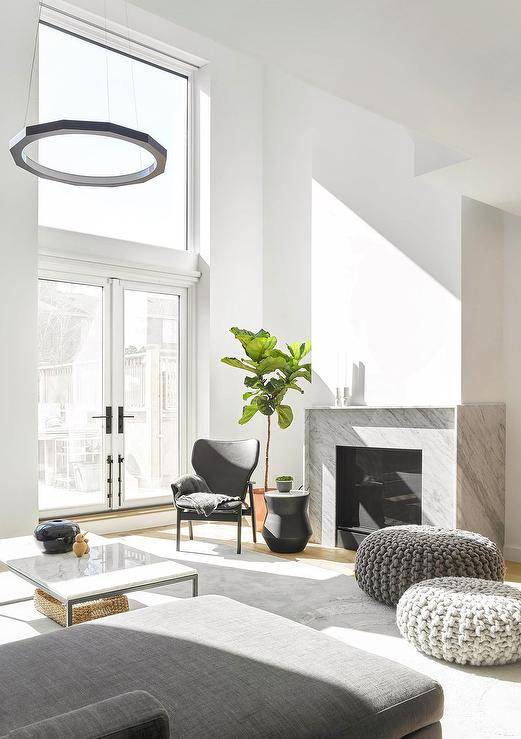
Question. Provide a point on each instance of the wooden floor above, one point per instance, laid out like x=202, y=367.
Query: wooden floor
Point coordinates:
x=340, y=560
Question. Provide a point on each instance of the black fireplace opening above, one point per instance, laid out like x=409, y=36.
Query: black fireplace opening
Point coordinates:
x=375, y=488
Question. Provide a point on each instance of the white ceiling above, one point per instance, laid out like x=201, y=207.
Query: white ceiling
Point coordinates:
x=446, y=69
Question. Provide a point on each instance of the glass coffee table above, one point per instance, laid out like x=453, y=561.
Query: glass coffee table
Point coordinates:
x=111, y=568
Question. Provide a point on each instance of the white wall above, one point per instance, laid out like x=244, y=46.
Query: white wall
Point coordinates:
x=18, y=258
x=512, y=363
x=287, y=243
x=482, y=270
x=386, y=263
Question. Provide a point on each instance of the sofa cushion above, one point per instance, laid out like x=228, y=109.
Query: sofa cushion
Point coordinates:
x=220, y=668
x=135, y=715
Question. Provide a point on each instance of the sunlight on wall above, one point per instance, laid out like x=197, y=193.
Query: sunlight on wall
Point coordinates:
x=374, y=305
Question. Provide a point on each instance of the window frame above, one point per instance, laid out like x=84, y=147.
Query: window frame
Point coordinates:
x=134, y=45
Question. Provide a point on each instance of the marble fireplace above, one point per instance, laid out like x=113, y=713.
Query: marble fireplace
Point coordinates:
x=460, y=481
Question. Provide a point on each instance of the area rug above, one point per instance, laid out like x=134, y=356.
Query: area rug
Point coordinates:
x=480, y=703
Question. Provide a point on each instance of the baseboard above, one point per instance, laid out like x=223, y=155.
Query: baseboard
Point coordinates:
x=513, y=554
x=130, y=522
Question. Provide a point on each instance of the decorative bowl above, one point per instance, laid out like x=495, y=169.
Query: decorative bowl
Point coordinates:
x=56, y=536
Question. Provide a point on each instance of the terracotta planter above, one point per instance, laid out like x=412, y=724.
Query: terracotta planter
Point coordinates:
x=260, y=507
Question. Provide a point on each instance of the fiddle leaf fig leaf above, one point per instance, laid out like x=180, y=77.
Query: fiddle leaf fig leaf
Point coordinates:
x=269, y=364
x=247, y=413
x=259, y=347
x=284, y=415
x=239, y=363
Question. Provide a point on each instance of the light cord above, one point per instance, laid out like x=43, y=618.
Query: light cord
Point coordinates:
x=106, y=61
x=33, y=62
x=133, y=82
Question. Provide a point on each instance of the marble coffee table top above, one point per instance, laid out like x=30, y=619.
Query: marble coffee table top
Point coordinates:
x=111, y=565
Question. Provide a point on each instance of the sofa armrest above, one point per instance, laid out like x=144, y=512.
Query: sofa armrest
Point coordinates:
x=134, y=715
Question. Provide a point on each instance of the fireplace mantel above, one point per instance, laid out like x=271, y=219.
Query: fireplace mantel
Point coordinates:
x=463, y=452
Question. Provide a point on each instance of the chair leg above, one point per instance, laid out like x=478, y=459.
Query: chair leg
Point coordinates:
x=178, y=532
x=253, y=519
x=190, y=530
x=239, y=531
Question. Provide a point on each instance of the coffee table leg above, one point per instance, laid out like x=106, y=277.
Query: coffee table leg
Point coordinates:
x=68, y=614
x=195, y=586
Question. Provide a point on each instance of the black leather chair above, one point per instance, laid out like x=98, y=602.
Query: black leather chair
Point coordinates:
x=227, y=467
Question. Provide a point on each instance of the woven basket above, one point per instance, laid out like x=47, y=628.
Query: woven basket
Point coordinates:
x=52, y=608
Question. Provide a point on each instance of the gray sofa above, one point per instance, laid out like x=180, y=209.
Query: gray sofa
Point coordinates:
x=212, y=667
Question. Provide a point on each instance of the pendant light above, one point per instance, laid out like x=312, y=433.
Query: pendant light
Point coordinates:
x=65, y=127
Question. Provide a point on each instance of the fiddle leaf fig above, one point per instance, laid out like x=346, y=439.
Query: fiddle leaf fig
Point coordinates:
x=271, y=373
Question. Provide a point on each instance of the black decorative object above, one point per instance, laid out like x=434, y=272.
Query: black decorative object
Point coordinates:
x=287, y=528
x=57, y=536
x=29, y=134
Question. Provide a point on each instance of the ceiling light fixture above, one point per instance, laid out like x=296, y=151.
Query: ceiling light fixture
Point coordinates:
x=33, y=133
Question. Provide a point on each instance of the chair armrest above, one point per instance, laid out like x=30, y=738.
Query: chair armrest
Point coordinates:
x=134, y=715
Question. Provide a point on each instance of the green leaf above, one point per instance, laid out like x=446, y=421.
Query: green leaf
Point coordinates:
x=259, y=347
x=242, y=335
x=299, y=349
x=247, y=395
x=239, y=363
x=247, y=413
x=252, y=381
x=294, y=386
x=285, y=416
x=270, y=364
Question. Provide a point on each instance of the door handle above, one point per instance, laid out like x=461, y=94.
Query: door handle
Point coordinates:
x=108, y=419
x=121, y=459
x=109, y=479
x=121, y=416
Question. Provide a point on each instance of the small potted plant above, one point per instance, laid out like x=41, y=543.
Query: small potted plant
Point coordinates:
x=284, y=483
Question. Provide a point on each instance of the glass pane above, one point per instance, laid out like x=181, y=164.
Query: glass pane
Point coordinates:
x=73, y=77
x=151, y=390
x=71, y=465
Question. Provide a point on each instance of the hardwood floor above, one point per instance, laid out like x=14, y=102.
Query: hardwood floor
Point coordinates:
x=340, y=560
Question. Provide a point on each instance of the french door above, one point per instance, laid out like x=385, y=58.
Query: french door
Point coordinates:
x=111, y=393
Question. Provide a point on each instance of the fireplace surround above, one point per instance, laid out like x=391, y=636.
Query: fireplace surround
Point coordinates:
x=462, y=461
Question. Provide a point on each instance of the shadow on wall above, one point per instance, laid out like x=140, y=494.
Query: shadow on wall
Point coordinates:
x=381, y=312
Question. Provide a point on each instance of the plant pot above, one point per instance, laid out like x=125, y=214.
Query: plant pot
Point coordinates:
x=259, y=503
x=284, y=486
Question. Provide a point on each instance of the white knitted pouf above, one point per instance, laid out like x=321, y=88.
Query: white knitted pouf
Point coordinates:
x=463, y=620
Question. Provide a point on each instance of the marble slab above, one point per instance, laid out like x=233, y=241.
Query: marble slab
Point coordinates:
x=481, y=438
x=446, y=455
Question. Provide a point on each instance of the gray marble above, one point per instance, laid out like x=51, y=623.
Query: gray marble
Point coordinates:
x=434, y=431
x=480, y=502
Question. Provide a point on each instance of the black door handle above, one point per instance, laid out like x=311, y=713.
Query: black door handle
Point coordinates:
x=108, y=419
x=121, y=459
x=121, y=416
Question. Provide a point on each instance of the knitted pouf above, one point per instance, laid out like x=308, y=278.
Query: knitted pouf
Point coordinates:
x=390, y=560
x=463, y=620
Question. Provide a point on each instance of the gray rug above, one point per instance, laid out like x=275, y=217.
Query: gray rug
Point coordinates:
x=480, y=702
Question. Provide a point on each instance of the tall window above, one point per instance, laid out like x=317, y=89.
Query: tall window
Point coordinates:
x=79, y=79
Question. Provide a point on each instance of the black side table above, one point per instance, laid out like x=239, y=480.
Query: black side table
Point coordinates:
x=287, y=528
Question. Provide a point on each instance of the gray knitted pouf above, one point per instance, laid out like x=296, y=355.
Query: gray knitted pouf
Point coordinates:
x=463, y=620
x=390, y=560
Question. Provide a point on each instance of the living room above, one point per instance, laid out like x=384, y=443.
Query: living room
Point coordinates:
x=261, y=408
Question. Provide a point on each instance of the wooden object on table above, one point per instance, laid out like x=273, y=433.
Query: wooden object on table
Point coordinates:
x=81, y=545
x=54, y=609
